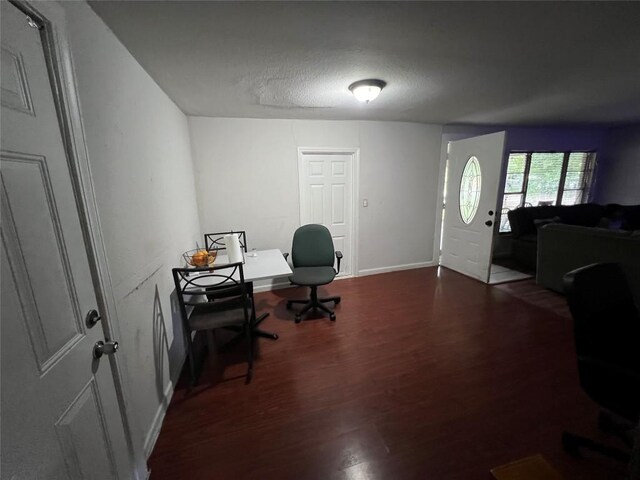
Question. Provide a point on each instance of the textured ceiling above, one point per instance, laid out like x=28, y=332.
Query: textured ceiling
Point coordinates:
x=519, y=63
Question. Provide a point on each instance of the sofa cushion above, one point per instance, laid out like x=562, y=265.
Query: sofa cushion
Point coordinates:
x=585, y=215
x=541, y=222
x=631, y=217
x=522, y=219
x=529, y=238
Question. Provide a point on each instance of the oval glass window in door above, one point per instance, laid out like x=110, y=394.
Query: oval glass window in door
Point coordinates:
x=470, y=186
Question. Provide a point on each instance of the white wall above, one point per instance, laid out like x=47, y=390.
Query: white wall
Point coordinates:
x=619, y=167
x=247, y=178
x=139, y=151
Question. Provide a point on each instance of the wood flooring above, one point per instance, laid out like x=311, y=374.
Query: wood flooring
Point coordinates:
x=426, y=374
x=529, y=292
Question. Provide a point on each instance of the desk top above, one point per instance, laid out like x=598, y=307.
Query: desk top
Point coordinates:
x=266, y=264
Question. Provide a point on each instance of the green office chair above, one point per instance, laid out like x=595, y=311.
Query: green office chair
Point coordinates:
x=312, y=255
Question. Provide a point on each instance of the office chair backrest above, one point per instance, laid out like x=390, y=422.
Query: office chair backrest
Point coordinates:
x=607, y=336
x=312, y=247
x=603, y=309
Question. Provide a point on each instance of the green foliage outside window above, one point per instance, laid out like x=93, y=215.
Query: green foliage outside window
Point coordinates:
x=535, y=178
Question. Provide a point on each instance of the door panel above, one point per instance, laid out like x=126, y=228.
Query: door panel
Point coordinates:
x=326, y=198
x=468, y=231
x=85, y=418
x=316, y=203
x=15, y=90
x=60, y=416
x=31, y=215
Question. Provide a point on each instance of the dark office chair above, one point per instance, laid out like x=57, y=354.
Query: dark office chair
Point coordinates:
x=215, y=241
x=607, y=339
x=312, y=256
x=232, y=305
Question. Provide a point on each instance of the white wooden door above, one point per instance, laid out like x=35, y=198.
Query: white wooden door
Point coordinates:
x=473, y=175
x=60, y=416
x=326, y=197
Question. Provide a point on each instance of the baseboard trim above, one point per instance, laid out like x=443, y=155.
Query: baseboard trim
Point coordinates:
x=284, y=283
x=156, y=424
x=277, y=285
x=395, y=268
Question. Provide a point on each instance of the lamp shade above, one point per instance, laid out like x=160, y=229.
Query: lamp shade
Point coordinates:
x=367, y=90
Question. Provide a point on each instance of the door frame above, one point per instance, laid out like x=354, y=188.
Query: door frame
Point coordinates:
x=57, y=53
x=445, y=159
x=354, y=153
x=446, y=138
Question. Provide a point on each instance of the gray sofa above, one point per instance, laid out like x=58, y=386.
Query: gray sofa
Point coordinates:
x=525, y=223
x=562, y=248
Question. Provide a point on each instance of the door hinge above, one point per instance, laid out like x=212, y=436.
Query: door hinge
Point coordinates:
x=31, y=23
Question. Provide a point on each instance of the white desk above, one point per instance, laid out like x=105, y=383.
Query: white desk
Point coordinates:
x=266, y=264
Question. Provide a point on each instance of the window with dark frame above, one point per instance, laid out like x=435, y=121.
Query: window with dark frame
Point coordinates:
x=545, y=178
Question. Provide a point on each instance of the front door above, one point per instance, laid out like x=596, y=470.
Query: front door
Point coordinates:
x=473, y=175
x=60, y=416
x=326, y=197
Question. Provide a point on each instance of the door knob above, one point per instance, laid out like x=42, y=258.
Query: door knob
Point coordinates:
x=92, y=318
x=104, y=348
x=490, y=212
x=488, y=223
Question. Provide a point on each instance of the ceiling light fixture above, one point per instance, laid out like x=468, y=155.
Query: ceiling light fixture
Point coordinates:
x=367, y=90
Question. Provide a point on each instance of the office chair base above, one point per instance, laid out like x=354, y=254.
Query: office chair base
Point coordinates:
x=573, y=443
x=314, y=303
x=262, y=333
x=257, y=332
x=617, y=426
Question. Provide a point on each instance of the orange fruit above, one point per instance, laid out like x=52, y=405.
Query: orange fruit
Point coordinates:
x=200, y=258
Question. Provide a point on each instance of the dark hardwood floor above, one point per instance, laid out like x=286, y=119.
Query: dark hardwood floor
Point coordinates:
x=426, y=374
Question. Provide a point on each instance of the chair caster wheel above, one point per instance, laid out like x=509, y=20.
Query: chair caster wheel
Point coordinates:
x=337, y=301
x=569, y=445
x=332, y=317
x=298, y=319
x=605, y=424
x=289, y=304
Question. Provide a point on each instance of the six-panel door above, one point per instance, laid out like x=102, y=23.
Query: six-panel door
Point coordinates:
x=326, y=198
x=60, y=416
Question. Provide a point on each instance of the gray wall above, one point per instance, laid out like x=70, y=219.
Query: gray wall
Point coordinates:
x=247, y=178
x=138, y=147
x=618, y=179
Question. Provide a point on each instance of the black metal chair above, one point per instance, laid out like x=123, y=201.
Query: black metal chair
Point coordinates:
x=215, y=241
x=233, y=306
x=607, y=340
x=312, y=256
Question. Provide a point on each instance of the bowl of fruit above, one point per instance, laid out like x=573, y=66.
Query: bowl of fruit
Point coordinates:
x=199, y=257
